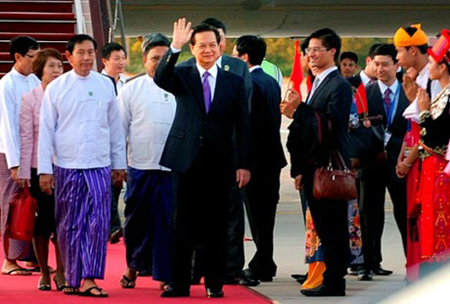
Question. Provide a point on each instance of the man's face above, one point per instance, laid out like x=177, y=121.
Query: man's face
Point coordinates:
x=82, y=58
x=319, y=56
x=405, y=57
x=223, y=40
x=115, y=65
x=370, y=69
x=153, y=58
x=206, y=49
x=348, y=67
x=24, y=63
x=386, y=68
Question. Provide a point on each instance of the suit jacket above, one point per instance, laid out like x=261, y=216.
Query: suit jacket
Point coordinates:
x=397, y=128
x=267, y=151
x=235, y=66
x=332, y=101
x=192, y=128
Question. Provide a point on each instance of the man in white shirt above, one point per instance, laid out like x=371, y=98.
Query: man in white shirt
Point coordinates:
x=147, y=113
x=114, y=58
x=18, y=81
x=80, y=130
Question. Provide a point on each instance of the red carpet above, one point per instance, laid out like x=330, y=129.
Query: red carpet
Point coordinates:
x=23, y=289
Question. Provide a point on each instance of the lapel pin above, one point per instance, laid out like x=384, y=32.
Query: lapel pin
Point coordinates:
x=226, y=67
x=91, y=93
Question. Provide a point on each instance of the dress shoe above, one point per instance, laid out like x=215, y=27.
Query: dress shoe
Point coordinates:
x=354, y=270
x=382, y=272
x=365, y=275
x=172, y=292
x=115, y=236
x=300, y=278
x=323, y=291
x=212, y=293
x=230, y=280
x=249, y=279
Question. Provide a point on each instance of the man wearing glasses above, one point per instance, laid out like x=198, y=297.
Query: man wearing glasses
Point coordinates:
x=18, y=81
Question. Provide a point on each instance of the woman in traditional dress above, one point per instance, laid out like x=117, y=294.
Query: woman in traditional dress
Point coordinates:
x=47, y=65
x=434, y=192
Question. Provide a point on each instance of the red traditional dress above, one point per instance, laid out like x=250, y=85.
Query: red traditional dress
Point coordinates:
x=434, y=194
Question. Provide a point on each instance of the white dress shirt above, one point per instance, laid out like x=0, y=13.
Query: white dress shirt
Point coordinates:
x=12, y=86
x=364, y=78
x=412, y=111
x=80, y=124
x=147, y=113
x=120, y=83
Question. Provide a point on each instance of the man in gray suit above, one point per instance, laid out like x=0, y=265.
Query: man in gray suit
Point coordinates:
x=235, y=248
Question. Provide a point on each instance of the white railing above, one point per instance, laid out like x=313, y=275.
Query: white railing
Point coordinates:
x=81, y=24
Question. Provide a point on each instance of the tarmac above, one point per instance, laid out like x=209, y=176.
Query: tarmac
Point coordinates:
x=289, y=242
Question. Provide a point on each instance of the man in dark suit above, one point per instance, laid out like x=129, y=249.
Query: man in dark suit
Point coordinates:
x=267, y=159
x=236, y=226
x=330, y=99
x=211, y=104
x=387, y=98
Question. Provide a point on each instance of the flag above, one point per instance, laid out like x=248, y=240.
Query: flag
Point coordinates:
x=297, y=72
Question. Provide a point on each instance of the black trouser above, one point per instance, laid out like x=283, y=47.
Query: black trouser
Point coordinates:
x=262, y=196
x=235, y=244
x=114, y=223
x=330, y=219
x=200, y=219
x=374, y=181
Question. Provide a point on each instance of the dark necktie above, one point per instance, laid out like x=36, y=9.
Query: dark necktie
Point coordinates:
x=206, y=91
x=387, y=100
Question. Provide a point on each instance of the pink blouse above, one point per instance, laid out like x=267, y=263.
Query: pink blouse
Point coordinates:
x=29, y=130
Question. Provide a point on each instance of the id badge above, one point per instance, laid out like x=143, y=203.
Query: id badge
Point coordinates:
x=387, y=137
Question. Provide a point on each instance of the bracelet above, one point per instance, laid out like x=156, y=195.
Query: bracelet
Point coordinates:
x=406, y=164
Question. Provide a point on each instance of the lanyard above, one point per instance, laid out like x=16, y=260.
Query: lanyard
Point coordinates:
x=393, y=108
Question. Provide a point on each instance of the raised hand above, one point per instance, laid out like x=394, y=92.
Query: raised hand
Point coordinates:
x=423, y=100
x=410, y=87
x=182, y=33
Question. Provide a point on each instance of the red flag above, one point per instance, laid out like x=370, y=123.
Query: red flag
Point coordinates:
x=297, y=72
x=361, y=99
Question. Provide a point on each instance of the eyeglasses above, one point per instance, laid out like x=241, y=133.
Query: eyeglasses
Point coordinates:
x=316, y=49
x=29, y=56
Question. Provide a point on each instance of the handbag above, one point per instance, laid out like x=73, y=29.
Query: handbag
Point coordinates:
x=334, y=183
x=22, y=214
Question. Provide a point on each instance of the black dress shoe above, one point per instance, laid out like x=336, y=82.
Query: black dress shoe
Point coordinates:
x=248, y=278
x=300, y=278
x=323, y=291
x=212, y=293
x=365, y=275
x=231, y=280
x=382, y=272
x=172, y=292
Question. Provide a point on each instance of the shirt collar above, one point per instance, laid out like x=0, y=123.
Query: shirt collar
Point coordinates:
x=75, y=75
x=219, y=61
x=423, y=76
x=212, y=71
x=122, y=77
x=255, y=67
x=18, y=74
x=383, y=87
x=364, y=78
x=321, y=76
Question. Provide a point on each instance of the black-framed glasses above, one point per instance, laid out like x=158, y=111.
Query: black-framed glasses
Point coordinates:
x=29, y=56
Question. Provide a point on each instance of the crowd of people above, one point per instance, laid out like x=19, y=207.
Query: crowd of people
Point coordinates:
x=197, y=141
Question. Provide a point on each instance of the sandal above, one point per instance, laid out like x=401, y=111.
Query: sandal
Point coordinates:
x=17, y=272
x=44, y=286
x=59, y=286
x=163, y=285
x=127, y=282
x=88, y=293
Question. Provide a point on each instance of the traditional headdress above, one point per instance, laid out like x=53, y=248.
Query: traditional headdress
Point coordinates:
x=403, y=38
x=441, y=49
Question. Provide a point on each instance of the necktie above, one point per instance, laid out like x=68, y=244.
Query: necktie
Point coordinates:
x=206, y=91
x=315, y=85
x=387, y=100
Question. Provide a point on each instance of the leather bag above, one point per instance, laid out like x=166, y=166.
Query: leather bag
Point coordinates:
x=22, y=215
x=335, y=184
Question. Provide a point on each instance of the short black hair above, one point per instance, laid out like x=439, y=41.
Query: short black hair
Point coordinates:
x=216, y=23
x=386, y=50
x=304, y=45
x=108, y=48
x=78, y=39
x=254, y=46
x=203, y=27
x=422, y=48
x=153, y=40
x=372, y=49
x=21, y=45
x=329, y=39
x=349, y=55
